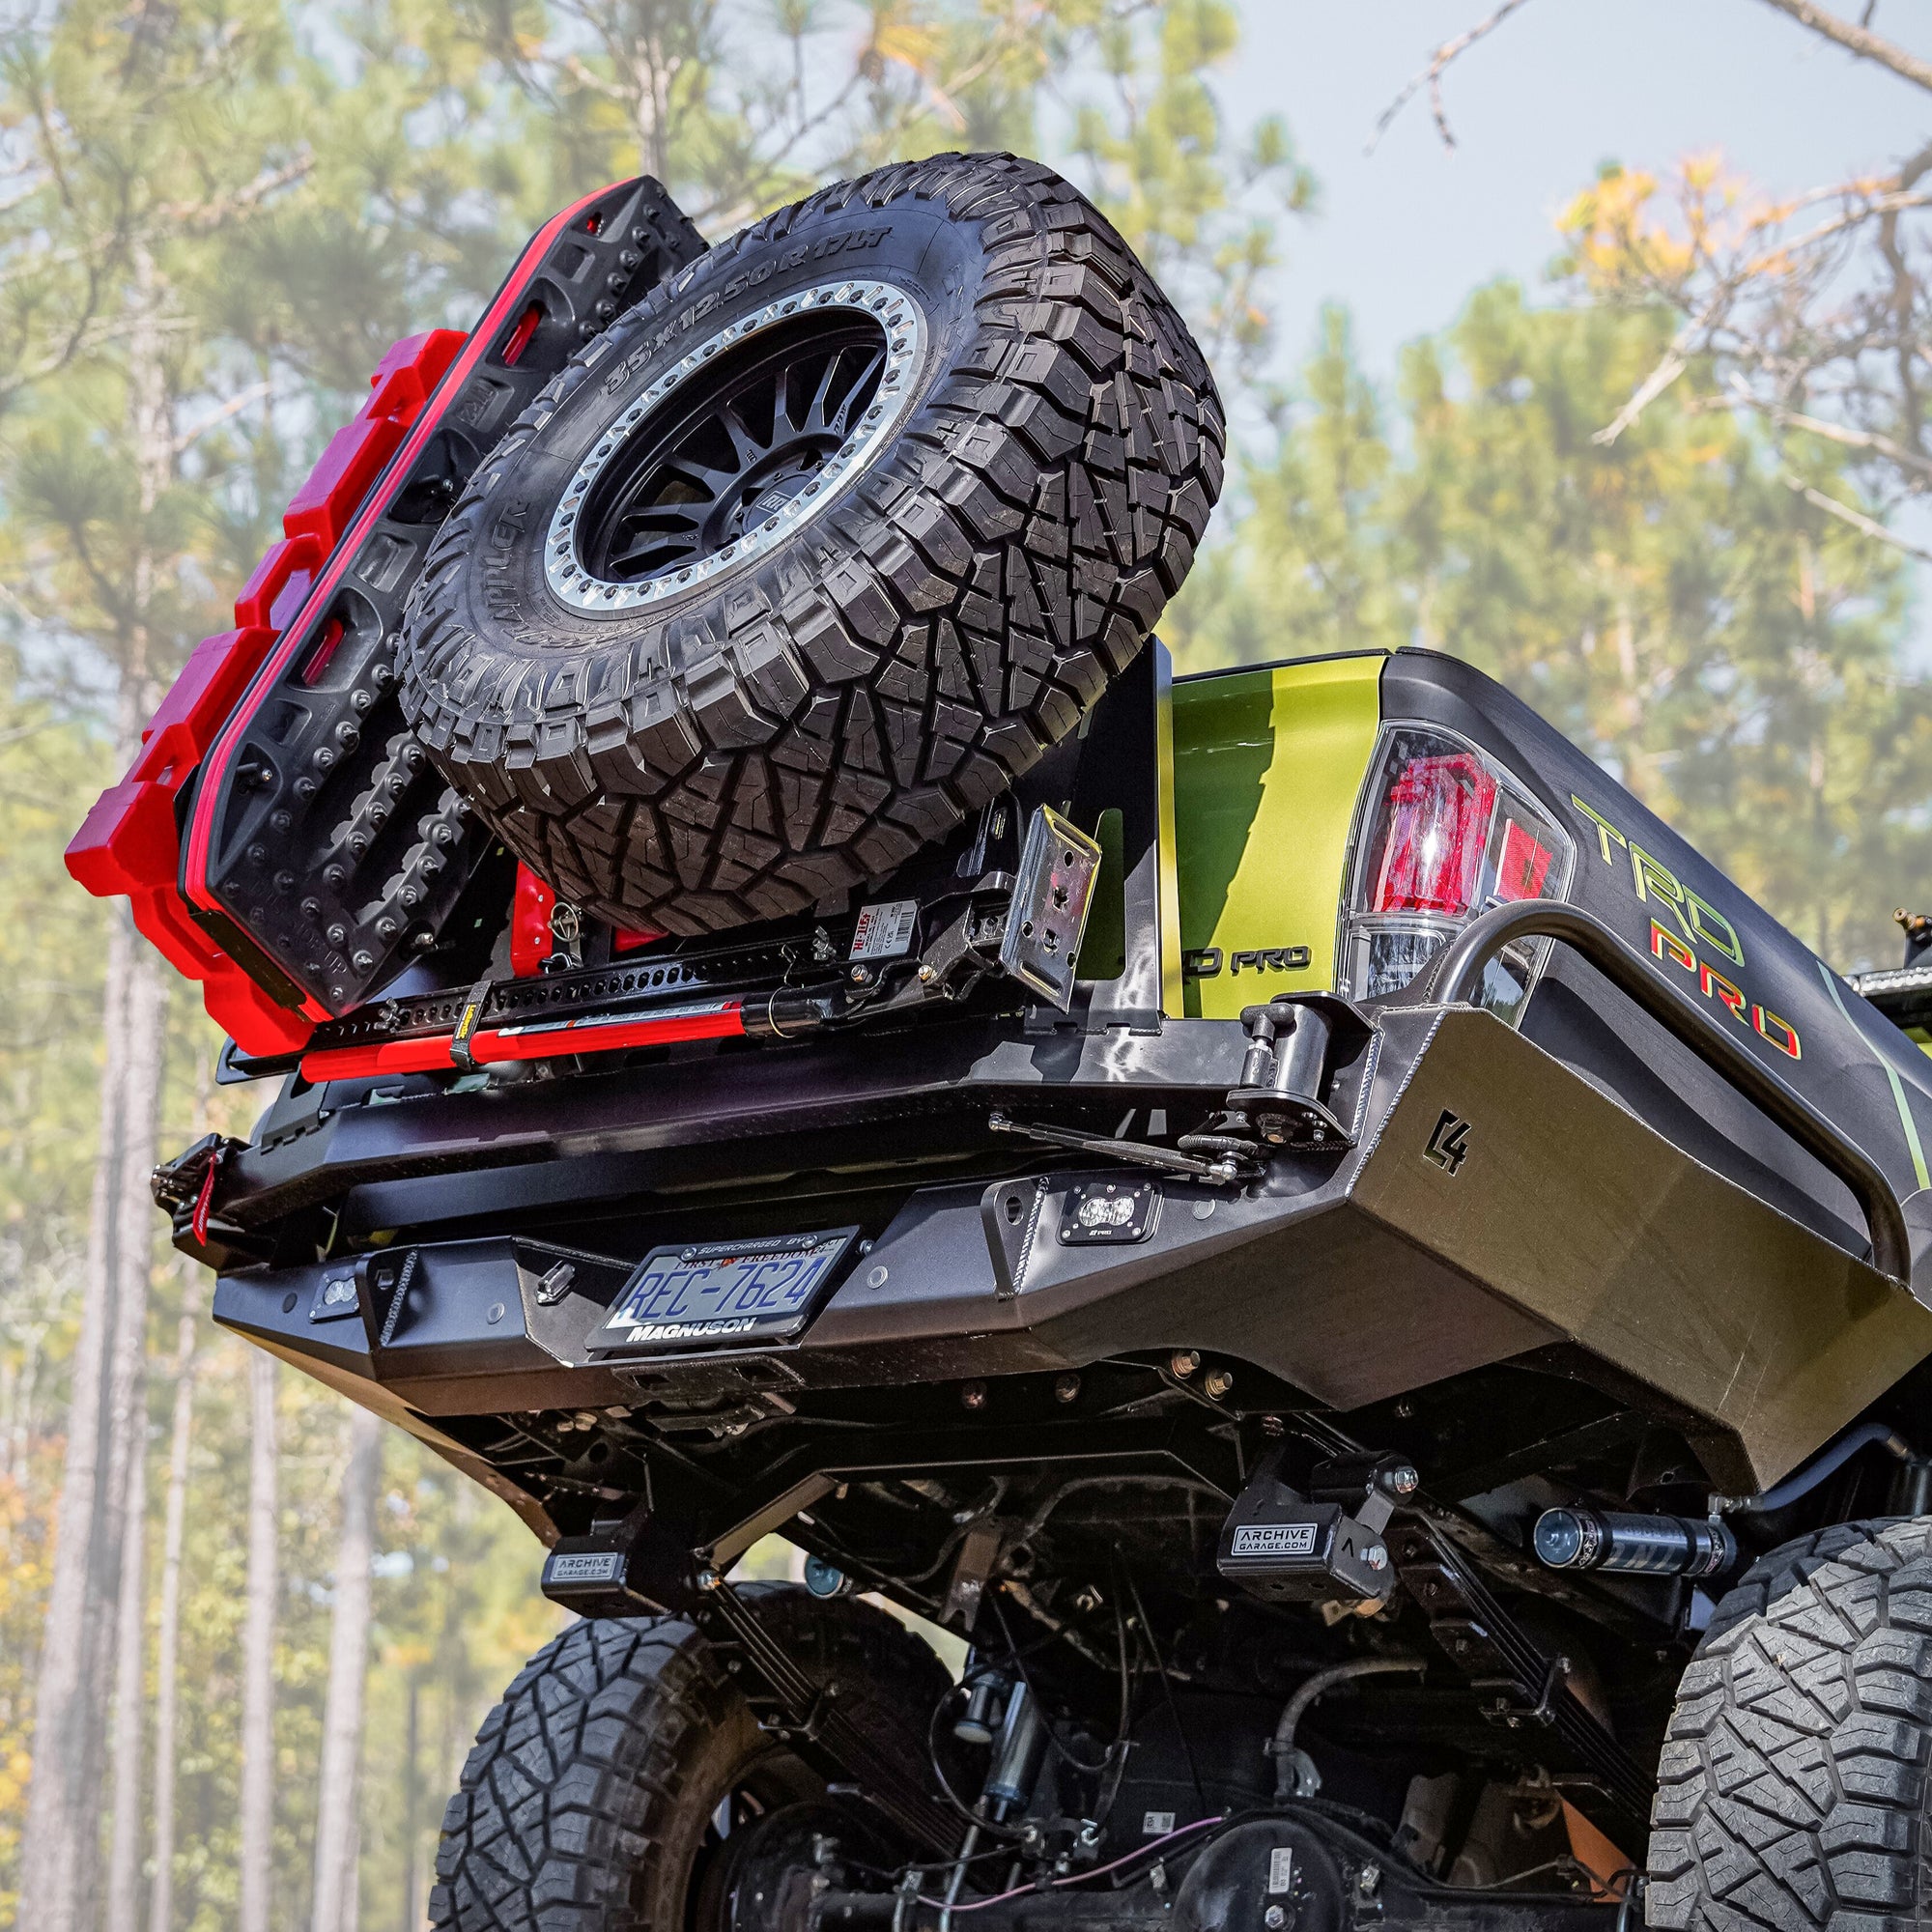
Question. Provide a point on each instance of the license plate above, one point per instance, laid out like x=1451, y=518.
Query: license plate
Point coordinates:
x=691, y=1296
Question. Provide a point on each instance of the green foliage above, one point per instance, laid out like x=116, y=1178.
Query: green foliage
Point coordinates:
x=50, y=962
x=1200, y=210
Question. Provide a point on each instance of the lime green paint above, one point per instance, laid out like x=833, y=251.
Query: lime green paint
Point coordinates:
x=1268, y=765
x=1912, y=1145
x=1911, y=1126
x=1171, y=991
x=1223, y=745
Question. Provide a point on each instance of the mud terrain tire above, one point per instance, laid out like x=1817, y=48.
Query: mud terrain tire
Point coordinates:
x=585, y=1804
x=820, y=700
x=1793, y=1785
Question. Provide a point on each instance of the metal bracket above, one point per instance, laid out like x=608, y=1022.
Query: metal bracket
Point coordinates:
x=1048, y=918
x=1225, y=1170
x=1294, y=1041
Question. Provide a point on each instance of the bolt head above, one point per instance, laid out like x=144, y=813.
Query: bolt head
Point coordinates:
x=1376, y=1557
x=1403, y=1480
x=1183, y=1362
x=1274, y=1918
x=1066, y=1388
x=974, y=1395
x=1218, y=1381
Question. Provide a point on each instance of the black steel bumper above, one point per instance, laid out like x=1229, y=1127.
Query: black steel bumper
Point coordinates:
x=1492, y=1204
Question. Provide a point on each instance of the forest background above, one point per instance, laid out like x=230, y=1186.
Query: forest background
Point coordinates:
x=1671, y=493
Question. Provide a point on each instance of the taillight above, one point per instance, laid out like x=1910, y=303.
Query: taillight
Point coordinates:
x=1523, y=870
x=1439, y=813
x=1445, y=832
x=519, y=338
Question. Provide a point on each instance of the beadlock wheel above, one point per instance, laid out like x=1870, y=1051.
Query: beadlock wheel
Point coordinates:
x=738, y=446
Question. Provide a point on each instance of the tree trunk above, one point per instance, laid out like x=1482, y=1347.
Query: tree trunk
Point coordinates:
x=258, y=1656
x=118, y=1553
x=60, y=1850
x=161, y=1896
x=134, y=1222
x=20, y=1437
x=351, y=1898
x=124, y=1864
x=348, y=1661
x=412, y=1912
x=70, y=1710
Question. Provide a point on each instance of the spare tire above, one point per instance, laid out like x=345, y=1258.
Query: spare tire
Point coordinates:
x=819, y=547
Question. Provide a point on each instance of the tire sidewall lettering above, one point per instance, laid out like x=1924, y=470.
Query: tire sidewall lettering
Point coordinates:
x=902, y=247
x=865, y=247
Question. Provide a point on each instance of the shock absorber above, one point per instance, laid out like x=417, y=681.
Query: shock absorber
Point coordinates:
x=1009, y=1786
x=1629, y=1545
x=986, y=1703
x=1017, y=1734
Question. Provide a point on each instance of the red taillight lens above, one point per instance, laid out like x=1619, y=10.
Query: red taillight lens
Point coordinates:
x=1449, y=832
x=1523, y=867
x=1437, y=813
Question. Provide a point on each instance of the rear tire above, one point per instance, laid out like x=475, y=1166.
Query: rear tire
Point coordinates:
x=1793, y=1786
x=589, y=1802
x=703, y=658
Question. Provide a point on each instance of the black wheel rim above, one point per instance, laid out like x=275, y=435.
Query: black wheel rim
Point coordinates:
x=728, y=451
x=755, y=1851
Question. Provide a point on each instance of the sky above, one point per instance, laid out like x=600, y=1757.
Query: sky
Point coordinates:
x=1402, y=235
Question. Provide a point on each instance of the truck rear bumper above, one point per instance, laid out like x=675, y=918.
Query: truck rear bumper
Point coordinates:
x=1494, y=1203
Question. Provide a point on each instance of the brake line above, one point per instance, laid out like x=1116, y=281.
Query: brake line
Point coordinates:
x=1167, y=1688
x=1077, y=1878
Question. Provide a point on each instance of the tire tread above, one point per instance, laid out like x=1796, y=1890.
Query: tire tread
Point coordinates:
x=1793, y=1783
x=578, y=1776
